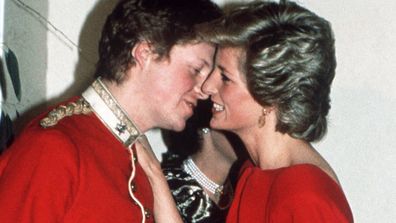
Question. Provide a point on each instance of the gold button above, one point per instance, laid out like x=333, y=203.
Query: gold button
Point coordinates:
x=147, y=213
x=134, y=156
x=133, y=187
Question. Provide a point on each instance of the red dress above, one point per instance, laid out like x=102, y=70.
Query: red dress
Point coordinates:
x=75, y=171
x=300, y=193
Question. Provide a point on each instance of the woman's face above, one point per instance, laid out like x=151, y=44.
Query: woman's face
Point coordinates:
x=234, y=108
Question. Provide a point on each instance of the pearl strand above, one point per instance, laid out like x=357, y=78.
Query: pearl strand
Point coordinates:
x=191, y=168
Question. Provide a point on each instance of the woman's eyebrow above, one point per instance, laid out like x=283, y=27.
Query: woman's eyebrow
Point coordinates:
x=222, y=68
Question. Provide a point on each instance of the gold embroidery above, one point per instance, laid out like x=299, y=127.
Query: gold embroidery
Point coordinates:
x=125, y=122
x=72, y=108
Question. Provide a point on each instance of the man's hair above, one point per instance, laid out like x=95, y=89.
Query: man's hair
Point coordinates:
x=289, y=61
x=162, y=23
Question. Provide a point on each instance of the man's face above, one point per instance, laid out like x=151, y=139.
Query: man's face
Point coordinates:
x=175, y=84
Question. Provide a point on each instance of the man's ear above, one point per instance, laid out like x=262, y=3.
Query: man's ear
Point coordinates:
x=141, y=52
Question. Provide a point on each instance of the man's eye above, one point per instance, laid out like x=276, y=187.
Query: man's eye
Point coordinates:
x=197, y=71
x=224, y=77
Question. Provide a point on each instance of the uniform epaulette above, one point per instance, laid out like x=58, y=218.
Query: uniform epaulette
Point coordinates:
x=72, y=108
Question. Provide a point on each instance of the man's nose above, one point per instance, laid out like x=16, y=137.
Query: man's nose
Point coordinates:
x=209, y=85
x=200, y=94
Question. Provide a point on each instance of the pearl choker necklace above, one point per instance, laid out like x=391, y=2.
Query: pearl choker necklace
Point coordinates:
x=191, y=168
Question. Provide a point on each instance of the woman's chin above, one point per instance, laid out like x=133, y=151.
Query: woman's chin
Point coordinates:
x=217, y=124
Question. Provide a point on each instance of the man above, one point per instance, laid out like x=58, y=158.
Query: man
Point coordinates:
x=77, y=163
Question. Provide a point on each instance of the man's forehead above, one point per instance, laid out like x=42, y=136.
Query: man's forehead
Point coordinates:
x=195, y=52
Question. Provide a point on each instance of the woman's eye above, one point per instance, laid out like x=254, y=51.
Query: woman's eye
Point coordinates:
x=224, y=78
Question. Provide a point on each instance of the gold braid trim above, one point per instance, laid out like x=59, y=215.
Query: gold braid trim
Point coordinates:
x=72, y=108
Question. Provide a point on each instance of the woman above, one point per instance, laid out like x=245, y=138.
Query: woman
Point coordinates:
x=271, y=87
x=197, y=167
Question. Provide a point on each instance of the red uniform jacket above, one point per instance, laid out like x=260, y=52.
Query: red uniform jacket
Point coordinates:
x=76, y=171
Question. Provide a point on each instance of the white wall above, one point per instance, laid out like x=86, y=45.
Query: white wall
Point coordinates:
x=360, y=141
x=26, y=37
x=1, y=43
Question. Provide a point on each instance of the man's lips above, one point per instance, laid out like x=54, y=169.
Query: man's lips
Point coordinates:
x=190, y=103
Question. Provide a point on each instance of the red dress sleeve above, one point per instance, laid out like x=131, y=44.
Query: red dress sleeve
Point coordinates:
x=307, y=194
x=38, y=177
x=310, y=208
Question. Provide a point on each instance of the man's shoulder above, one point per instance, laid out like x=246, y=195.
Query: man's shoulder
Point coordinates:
x=37, y=140
x=36, y=137
x=40, y=149
x=74, y=108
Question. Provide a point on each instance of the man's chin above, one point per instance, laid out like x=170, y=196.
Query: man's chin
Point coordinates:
x=176, y=123
x=179, y=127
x=176, y=126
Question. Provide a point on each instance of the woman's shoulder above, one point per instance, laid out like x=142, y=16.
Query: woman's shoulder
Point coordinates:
x=305, y=178
x=306, y=189
x=296, y=179
x=299, y=193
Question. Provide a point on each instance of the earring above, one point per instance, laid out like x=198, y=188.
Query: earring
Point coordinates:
x=205, y=130
x=202, y=132
x=261, y=121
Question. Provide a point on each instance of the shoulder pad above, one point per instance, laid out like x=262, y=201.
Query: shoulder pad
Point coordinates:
x=72, y=108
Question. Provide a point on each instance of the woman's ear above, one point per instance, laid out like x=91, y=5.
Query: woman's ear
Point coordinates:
x=141, y=53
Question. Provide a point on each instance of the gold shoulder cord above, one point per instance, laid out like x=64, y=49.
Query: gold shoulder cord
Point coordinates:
x=72, y=108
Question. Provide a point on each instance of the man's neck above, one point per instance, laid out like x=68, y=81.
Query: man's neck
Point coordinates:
x=132, y=102
x=110, y=112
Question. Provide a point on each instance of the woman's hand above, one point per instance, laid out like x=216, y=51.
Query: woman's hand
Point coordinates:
x=147, y=159
x=165, y=209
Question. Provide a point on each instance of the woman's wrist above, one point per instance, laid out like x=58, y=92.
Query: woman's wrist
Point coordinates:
x=156, y=176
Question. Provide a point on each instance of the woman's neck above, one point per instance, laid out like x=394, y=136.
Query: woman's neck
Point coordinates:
x=271, y=149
